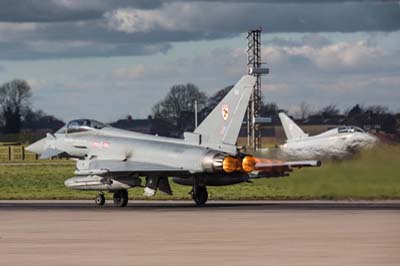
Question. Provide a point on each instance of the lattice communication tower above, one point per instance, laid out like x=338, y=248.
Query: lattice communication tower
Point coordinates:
x=254, y=67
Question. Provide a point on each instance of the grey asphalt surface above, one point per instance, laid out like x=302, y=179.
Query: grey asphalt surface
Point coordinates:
x=222, y=233
x=211, y=206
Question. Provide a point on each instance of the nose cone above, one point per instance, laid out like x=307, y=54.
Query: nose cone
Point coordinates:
x=363, y=141
x=37, y=147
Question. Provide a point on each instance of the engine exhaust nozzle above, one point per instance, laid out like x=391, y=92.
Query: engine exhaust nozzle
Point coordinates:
x=248, y=163
x=231, y=164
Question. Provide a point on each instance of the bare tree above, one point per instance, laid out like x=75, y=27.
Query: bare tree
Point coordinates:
x=354, y=111
x=377, y=110
x=213, y=101
x=35, y=120
x=330, y=111
x=14, y=100
x=178, y=106
x=305, y=110
x=270, y=109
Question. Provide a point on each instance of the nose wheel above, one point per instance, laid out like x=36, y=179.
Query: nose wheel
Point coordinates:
x=120, y=198
x=200, y=195
x=100, y=199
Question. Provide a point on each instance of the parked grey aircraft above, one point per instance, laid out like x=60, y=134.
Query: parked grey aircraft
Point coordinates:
x=336, y=142
x=113, y=160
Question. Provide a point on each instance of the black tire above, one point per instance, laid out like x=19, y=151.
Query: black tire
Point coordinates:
x=100, y=200
x=120, y=198
x=200, y=195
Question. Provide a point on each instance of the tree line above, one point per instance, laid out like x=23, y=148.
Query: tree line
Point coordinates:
x=176, y=111
x=177, y=108
x=16, y=112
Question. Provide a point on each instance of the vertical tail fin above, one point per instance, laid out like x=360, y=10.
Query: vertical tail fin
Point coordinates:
x=292, y=130
x=223, y=124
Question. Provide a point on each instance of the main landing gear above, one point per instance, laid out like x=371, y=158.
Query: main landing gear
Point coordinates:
x=120, y=198
x=199, y=195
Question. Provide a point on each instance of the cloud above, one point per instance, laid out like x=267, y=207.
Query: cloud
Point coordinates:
x=130, y=73
x=37, y=50
x=16, y=31
x=115, y=28
x=72, y=10
x=298, y=74
x=64, y=10
x=325, y=57
x=221, y=62
x=337, y=72
x=360, y=56
x=310, y=68
x=2, y=68
x=299, y=17
x=315, y=40
x=36, y=84
x=341, y=73
x=136, y=20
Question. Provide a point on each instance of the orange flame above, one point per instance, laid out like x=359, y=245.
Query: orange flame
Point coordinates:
x=231, y=164
x=251, y=163
x=248, y=163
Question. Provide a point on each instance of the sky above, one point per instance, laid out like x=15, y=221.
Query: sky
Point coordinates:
x=106, y=59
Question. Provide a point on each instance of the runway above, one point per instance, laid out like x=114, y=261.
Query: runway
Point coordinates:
x=222, y=233
x=183, y=205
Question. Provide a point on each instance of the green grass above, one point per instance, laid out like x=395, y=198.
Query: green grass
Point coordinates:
x=374, y=174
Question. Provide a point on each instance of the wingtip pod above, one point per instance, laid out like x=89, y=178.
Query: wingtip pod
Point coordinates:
x=264, y=165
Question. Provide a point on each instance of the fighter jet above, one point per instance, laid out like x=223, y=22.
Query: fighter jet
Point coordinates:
x=113, y=160
x=334, y=143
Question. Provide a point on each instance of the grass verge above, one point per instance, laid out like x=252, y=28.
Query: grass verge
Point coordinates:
x=373, y=174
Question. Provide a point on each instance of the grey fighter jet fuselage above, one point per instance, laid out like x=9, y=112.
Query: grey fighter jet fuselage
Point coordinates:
x=334, y=143
x=114, y=160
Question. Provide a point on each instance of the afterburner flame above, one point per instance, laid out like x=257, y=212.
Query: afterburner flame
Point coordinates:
x=231, y=164
x=248, y=163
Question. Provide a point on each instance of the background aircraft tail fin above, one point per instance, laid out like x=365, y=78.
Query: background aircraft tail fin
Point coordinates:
x=292, y=130
x=223, y=124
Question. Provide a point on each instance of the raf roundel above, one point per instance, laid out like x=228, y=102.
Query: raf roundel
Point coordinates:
x=225, y=112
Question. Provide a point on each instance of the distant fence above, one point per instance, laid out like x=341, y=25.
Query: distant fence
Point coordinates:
x=13, y=151
x=16, y=153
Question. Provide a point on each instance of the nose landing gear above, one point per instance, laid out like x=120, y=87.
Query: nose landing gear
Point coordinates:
x=100, y=199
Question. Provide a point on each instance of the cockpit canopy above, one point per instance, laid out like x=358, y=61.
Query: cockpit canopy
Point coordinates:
x=350, y=129
x=80, y=125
